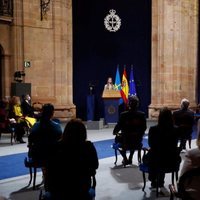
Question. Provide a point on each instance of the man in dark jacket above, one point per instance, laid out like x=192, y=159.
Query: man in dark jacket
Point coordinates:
x=43, y=138
x=132, y=124
x=26, y=106
x=184, y=120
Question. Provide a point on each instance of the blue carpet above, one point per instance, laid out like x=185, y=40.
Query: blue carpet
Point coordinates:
x=13, y=165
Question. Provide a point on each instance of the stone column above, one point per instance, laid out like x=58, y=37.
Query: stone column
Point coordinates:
x=17, y=37
x=174, y=53
x=62, y=28
x=48, y=46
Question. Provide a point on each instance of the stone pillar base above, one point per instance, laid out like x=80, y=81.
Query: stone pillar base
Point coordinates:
x=154, y=110
x=65, y=113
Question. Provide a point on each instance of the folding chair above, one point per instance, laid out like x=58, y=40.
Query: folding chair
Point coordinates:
x=144, y=168
x=33, y=166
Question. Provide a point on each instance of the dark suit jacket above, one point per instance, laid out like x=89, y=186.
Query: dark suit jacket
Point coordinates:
x=163, y=151
x=132, y=125
x=27, y=109
x=70, y=169
x=184, y=120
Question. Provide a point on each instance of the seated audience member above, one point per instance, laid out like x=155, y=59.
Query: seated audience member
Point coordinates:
x=4, y=122
x=26, y=106
x=43, y=137
x=184, y=120
x=28, y=109
x=70, y=170
x=192, y=157
x=163, y=153
x=132, y=124
x=17, y=113
x=16, y=117
x=192, y=161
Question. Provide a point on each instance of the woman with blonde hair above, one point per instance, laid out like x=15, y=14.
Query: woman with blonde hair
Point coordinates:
x=15, y=112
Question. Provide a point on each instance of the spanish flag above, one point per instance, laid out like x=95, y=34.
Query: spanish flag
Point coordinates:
x=124, y=87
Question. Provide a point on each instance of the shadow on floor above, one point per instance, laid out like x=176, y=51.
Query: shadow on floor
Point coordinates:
x=26, y=193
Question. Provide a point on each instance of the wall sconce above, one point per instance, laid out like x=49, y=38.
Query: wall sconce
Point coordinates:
x=18, y=75
x=44, y=6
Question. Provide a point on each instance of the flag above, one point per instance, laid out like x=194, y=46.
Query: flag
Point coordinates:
x=132, y=87
x=118, y=83
x=117, y=80
x=124, y=87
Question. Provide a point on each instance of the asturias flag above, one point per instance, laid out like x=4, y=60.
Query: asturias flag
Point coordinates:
x=117, y=80
x=118, y=83
x=132, y=87
x=124, y=87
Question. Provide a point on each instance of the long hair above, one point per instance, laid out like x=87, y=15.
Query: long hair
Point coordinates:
x=165, y=119
x=74, y=132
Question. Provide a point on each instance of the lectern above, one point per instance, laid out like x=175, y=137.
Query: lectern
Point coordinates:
x=111, y=104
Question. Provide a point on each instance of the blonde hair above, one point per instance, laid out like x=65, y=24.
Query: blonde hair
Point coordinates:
x=15, y=100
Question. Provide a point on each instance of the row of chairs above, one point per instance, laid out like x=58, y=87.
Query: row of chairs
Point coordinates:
x=9, y=130
x=179, y=192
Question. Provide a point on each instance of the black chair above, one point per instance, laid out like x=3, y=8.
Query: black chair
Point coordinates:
x=144, y=168
x=8, y=129
x=185, y=189
x=117, y=148
x=33, y=166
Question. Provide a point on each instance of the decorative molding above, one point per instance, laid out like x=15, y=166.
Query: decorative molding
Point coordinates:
x=45, y=7
x=112, y=21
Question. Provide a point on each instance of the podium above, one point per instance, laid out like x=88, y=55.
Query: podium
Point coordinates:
x=111, y=104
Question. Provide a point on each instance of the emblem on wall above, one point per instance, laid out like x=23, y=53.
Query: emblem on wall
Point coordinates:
x=112, y=21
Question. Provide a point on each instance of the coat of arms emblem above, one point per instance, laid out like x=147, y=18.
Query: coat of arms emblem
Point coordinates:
x=112, y=21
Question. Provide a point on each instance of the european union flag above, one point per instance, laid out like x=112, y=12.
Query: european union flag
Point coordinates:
x=132, y=87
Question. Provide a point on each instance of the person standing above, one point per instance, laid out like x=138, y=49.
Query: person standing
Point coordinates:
x=184, y=120
x=109, y=85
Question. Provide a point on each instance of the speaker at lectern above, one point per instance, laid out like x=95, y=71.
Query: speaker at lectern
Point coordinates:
x=111, y=105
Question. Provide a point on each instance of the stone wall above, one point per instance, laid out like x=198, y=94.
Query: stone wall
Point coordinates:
x=174, y=53
x=47, y=44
